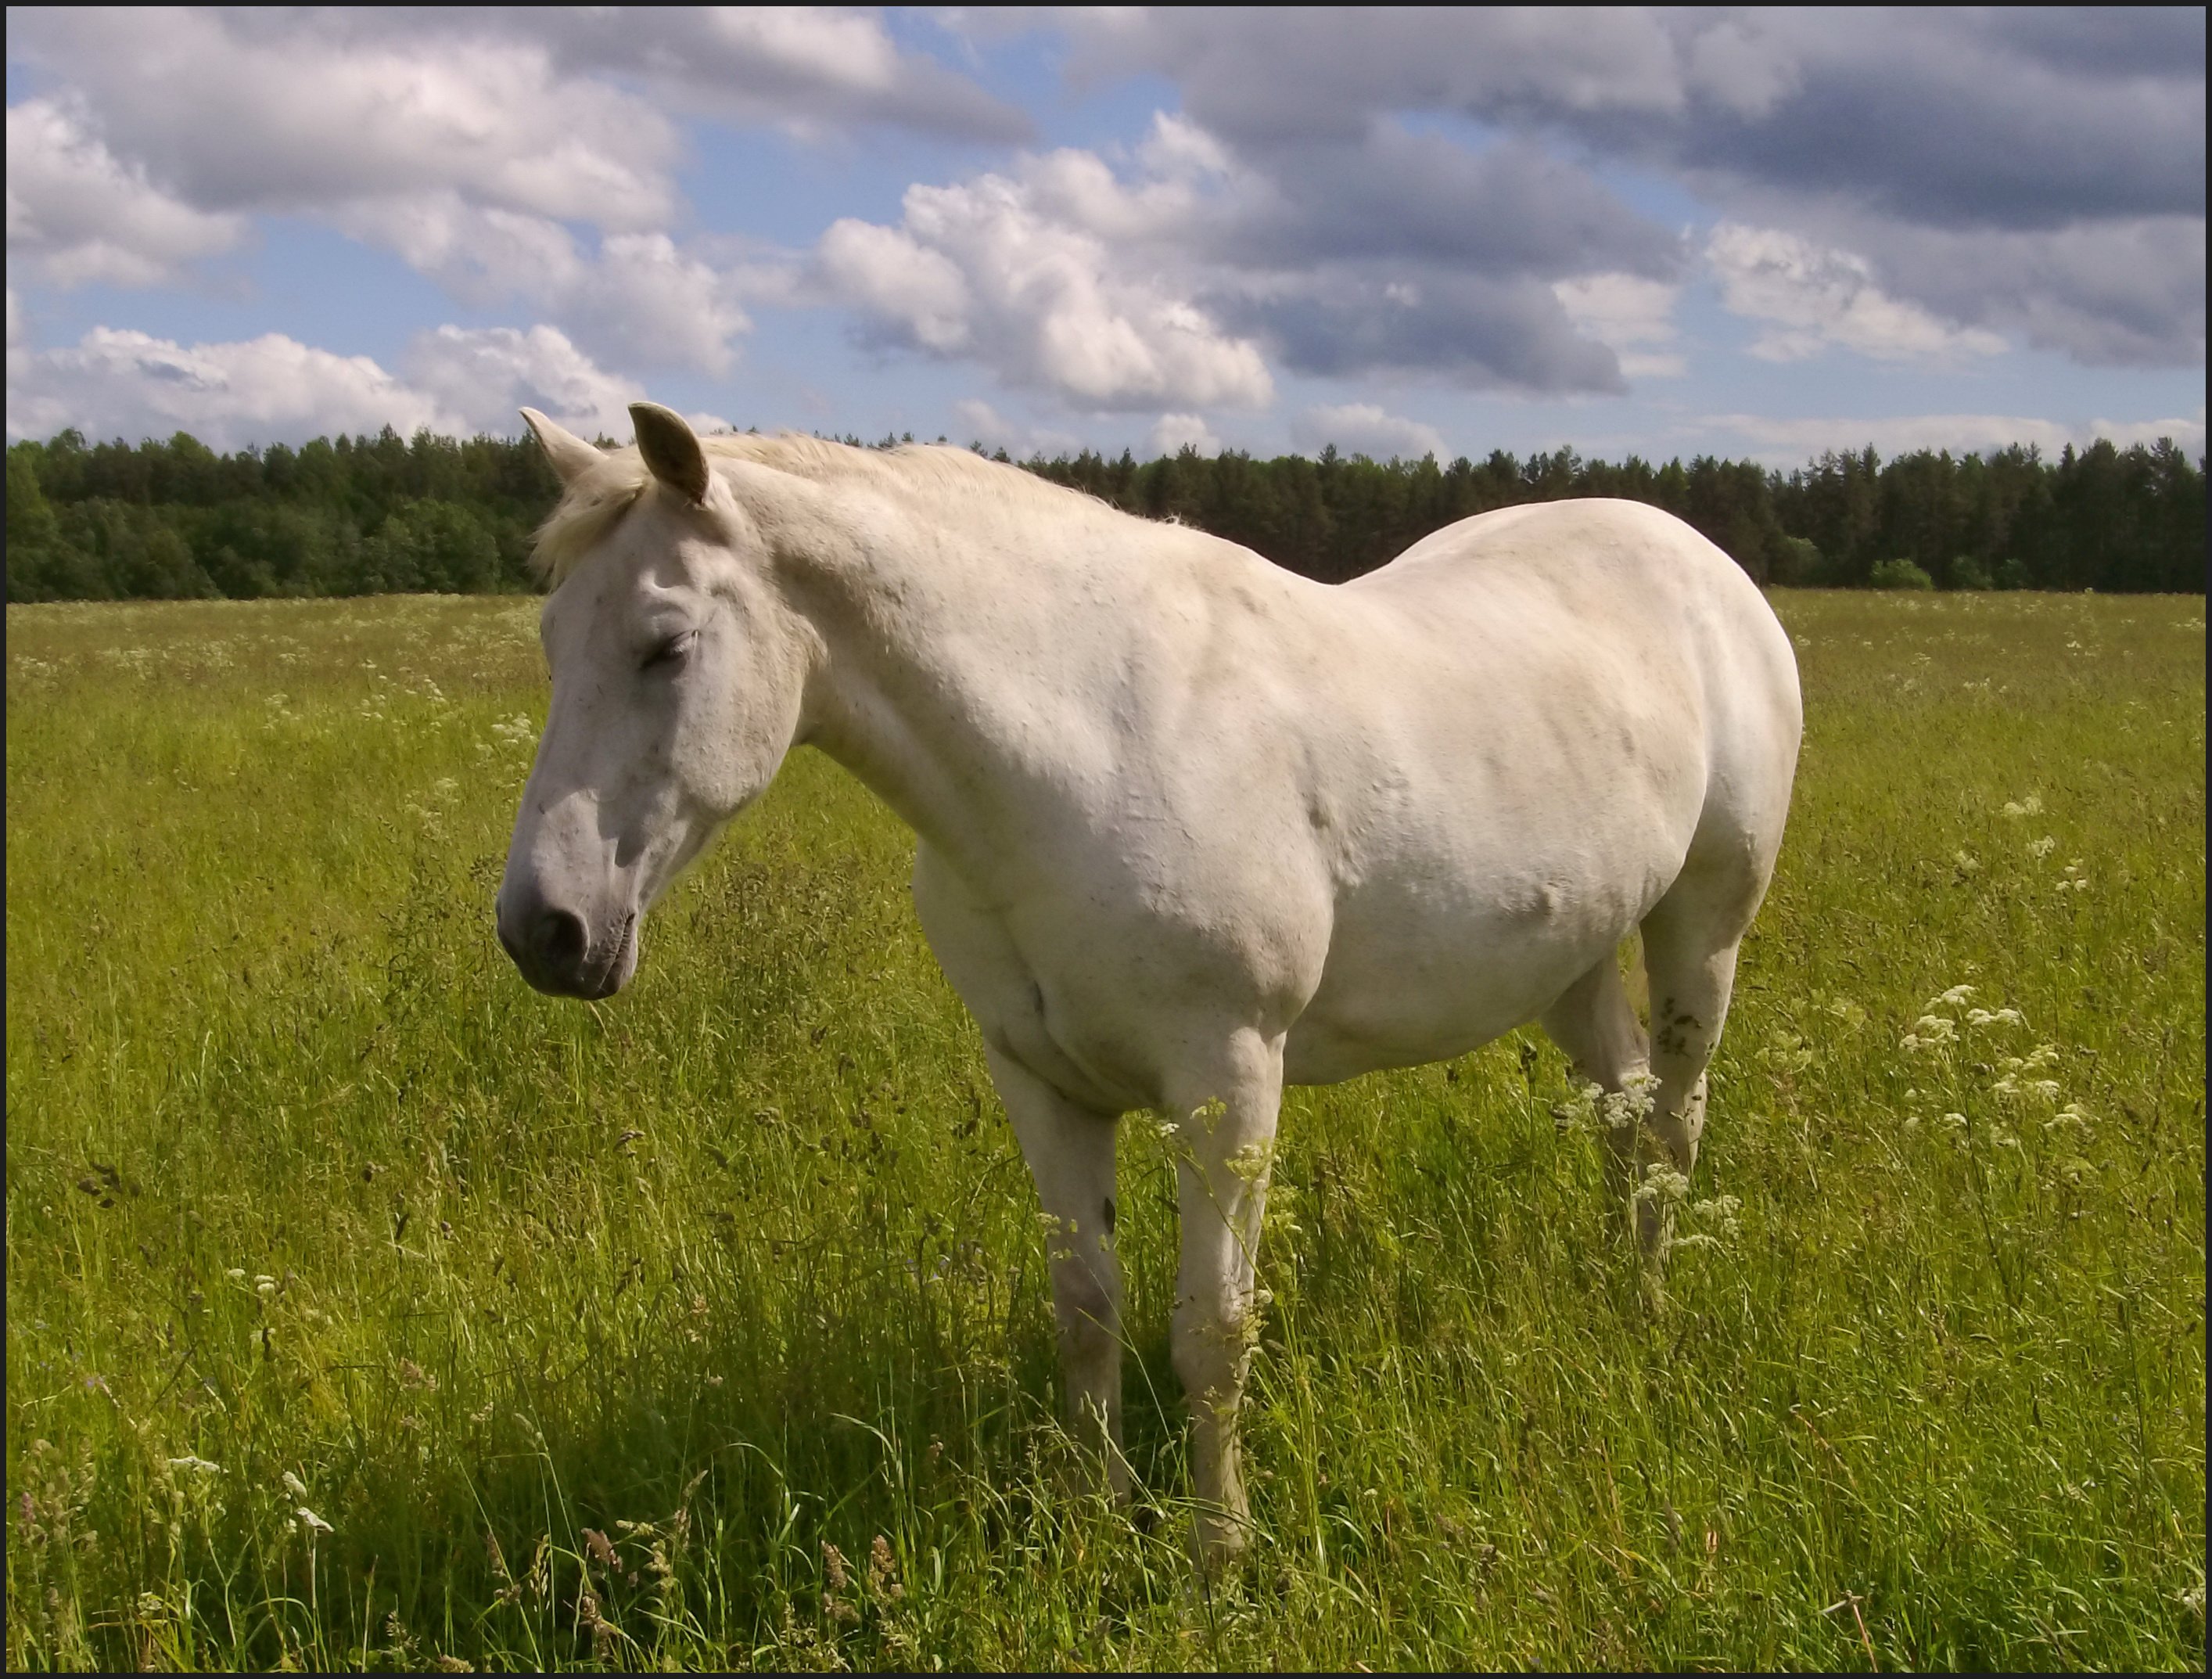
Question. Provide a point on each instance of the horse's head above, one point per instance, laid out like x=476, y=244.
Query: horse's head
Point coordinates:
x=677, y=679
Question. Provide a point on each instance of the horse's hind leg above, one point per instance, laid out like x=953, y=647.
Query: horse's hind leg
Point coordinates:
x=1690, y=943
x=1594, y=1026
x=1596, y=1029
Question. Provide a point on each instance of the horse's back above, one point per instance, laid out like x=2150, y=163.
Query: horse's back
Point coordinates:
x=1618, y=588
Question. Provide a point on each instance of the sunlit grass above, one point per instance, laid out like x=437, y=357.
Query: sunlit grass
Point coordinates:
x=366, y=1309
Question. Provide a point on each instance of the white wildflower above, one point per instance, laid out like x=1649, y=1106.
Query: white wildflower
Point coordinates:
x=2031, y=806
x=199, y=1465
x=1719, y=1212
x=1579, y=1111
x=2042, y=847
x=1661, y=1183
x=1954, y=997
x=1631, y=1104
x=310, y=1523
x=294, y=1486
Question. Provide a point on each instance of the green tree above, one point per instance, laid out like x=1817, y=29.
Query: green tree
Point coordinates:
x=435, y=545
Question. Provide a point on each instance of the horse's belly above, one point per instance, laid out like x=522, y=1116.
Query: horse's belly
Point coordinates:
x=1433, y=960
x=1404, y=1002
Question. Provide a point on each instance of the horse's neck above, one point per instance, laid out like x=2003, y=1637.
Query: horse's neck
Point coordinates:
x=966, y=669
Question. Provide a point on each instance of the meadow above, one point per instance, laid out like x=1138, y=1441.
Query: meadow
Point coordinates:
x=368, y=1310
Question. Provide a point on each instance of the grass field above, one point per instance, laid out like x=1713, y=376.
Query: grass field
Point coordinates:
x=367, y=1309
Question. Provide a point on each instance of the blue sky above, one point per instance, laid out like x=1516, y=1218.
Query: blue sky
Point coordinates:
x=1661, y=232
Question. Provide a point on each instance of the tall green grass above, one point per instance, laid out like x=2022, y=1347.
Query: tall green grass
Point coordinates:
x=366, y=1309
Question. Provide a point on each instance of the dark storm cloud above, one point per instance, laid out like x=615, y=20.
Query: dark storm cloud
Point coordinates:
x=766, y=64
x=2113, y=295
x=1513, y=209
x=1476, y=333
x=2051, y=154
x=1940, y=119
x=2015, y=118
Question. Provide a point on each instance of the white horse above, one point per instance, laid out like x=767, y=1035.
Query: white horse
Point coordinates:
x=1191, y=827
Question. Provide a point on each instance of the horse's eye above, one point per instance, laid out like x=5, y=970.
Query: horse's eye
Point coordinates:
x=673, y=651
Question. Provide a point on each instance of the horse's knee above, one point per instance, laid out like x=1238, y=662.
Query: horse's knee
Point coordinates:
x=1085, y=1302
x=1209, y=1339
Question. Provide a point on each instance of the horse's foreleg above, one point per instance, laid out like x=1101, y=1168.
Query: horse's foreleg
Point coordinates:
x=1070, y=1152
x=1225, y=1120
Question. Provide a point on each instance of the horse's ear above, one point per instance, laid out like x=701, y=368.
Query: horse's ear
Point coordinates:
x=671, y=449
x=572, y=457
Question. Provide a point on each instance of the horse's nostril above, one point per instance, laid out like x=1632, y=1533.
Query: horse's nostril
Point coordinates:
x=562, y=939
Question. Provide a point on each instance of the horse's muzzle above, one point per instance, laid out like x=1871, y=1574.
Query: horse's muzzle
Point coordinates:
x=554, y=951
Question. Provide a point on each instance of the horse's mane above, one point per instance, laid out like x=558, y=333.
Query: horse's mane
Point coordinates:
x=595, y=503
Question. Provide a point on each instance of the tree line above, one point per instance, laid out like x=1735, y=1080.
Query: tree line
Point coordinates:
x=370, y=515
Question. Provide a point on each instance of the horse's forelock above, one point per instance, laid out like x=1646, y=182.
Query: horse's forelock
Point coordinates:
x=582, y=520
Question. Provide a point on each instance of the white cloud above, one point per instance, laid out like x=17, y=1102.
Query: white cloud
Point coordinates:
x=77, y=213
x=483, y=376
x=1165, y=280
x=1624, y=311
x=1361, y=427
x=642, y=301
x=1815, y=296
x=2187, y=435
x=1033, y=276
x=306, y=111
x=976, y=420
x=1791, y=442
x=649, y=303
x=886, y=273
x=1173, y=433
x=129, y=385
x=275, y=389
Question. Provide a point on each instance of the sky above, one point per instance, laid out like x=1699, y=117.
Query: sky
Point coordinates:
x=1746, y=233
